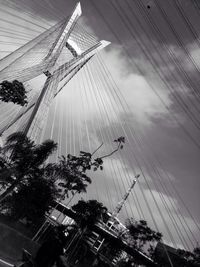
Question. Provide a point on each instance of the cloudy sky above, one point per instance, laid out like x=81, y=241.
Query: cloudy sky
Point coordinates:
x=144, y=86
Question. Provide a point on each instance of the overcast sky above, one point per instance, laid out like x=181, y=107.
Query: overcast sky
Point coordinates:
x=153, y=61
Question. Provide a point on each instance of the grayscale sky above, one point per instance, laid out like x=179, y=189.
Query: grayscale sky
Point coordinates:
x=154, y=61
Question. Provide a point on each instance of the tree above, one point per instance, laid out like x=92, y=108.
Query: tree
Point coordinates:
x=23, y=171
x=192, y=258
x=31, y=200
x=141, y=236
x=88, y=212
x=13, y=92
x=72, y=171
x=125, y=262
x=21, y=160
x=196, y=253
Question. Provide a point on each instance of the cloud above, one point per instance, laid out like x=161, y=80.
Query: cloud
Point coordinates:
x=175, y=226
x=170, y=220
x=133, y=89
x=193, y=49
x=88, y=111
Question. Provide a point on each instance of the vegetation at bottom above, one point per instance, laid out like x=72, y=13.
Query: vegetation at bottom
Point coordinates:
x=30, y=185
x=27, y=179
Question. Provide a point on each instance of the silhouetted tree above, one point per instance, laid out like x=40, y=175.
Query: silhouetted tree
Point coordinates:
x=31, y=200
x=89, y=212
x=196, y=253
x=193, y=258
x=128, y=262
x=72, y=171
x=21, y=160
x=141, y=236
x=23, y=171
x=13, y=92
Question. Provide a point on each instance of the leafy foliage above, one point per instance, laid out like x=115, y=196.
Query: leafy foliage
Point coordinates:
x=141, y=236
x=196, y=253
x=13, y=92
x=31, y=200
x=126, y=263
x=72, y=171
x=89, y=212
x=190, y=257
x=25, y=173
x=21, y=159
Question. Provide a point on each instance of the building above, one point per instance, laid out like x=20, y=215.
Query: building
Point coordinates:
x=103, y=239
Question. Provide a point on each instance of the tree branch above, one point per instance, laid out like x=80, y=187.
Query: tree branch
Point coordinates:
x=97, y=149
x=110, y=154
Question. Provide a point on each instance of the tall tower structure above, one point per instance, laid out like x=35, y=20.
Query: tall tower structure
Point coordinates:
x=41, y=56
x=123, y=201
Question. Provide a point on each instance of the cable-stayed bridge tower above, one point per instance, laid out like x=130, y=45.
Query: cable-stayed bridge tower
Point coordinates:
x=42, y=56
